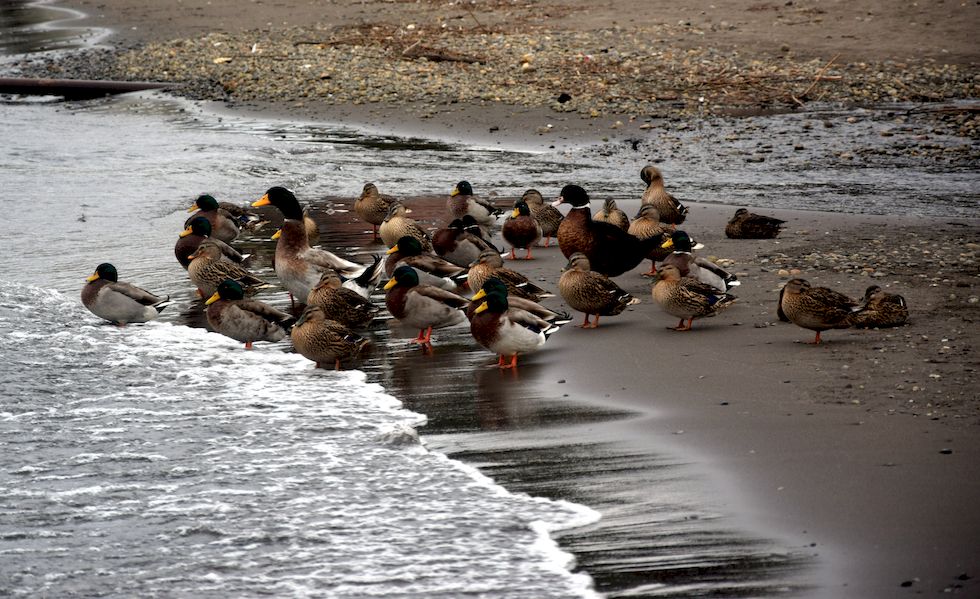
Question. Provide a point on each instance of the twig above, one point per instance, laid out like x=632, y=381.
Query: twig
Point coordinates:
x=816, y=79
x=478, y=23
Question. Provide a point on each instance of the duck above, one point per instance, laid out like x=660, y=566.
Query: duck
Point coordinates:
x=547, y=215
x=815, y=308
x=645, y=225
x=312, y=229
x=507, y=331
x=521, y=230
x=224, y=226
x=687, y=298
x=462, y=202
x=119, y=302
x=372, y=207
x=339, y=303
x=748, y=225
x=397, y=225
x=692, y=266
x=610, y=250
x=611, y=214
x=490, y=264
x=245, y=320
x=880, y=309
x=671, y=211
x=324, y=341
x=457, y=245
x=422, y=306
x=432, y=269
x=299, y=266
x=192, y=237
x=207, y=270
x=493, y=284
x=591, y=292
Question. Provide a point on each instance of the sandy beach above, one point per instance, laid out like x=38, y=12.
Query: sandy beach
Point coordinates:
x=857, y=457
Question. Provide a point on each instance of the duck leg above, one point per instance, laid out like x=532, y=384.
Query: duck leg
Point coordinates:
x=547, y=241
x=248, y=345
x=336, y=365
x=513, y=362
x=653, y=270
x=586, y=324
x=682, y=327
x=513, y=256
x=816, y=340
x=528, y=255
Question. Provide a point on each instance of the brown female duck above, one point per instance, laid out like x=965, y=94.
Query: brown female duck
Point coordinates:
x=457, y=245
x=815, y=308
x=687, y=298
x=646, y=225
x=248, y=321
x=521, y=230
x=208, y=269
x=611, y=214
x=881, y=310
x=671, y=211
x=339, y=303
x=372, y=207
x=324, y=341
x=591, y=292
x=397, y=225
x=547, y=215
x=490, y=264
x=748, y=225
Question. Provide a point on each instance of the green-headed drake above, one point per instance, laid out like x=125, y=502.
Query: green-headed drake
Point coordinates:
x=119, y=302
x=521, y=230
x=192, y=237
x=507, y=331
x=224, y=226
x=245, y=320
x=423, y=307
x=462, y=202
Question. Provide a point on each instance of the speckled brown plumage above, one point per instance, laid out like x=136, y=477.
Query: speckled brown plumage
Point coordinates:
x=671, y=211
x=490, y=264
x=372, y=207
x=548, y=217
x=398, y=224
x=207, y=270
x=747, y=225
x=611, y=214
x=880, y=310
x=815, y=308
x=687, y=298
x=346, y=306
x=324, y=341
x=591, y=292
x=646, y=225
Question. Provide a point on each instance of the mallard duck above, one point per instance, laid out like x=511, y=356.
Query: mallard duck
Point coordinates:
x=495, y=285
x=881, y=310
x=346, y=306
x=299, y=266
x=462, y=202
x=815, y=308
x=372, y=207
x=646, y=225
x=457, y=245
x=490, y=264
x=687, y=298
x=312, y=230
x=245, y=218
x=322, y=340
x=224, y=226
x=397, y=225
x=591, y=292
x=611, y=214
x=507, y=331
x=432, y=269
x=422, y=306
x=191, y=237
x=248, y=321
x=521, y=230
x=207, y=270
x=547, y=215
x=692, y=266
x=610, y=250
x=118, y=302
x=746, y=225
x=671, y=211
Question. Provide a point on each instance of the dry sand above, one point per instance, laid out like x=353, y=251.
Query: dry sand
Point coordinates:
x=865, y=446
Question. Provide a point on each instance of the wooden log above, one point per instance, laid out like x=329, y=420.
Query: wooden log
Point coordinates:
x=74, y=89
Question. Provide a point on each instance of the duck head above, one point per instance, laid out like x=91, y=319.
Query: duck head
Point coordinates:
x=104, y=271
x=199, y=226
x=574, y=196
x=578, y=261
x=520, y=209
x=491, y=285
x=533, y=196
x=407, y=245
x=283, y=199
x=404, y=276
x=650, y=173
x=204, y=203
x=494, y=302
x=207, y=248
x=462, y=188
x=795, y=286
x=228, y=289
x=679, y=241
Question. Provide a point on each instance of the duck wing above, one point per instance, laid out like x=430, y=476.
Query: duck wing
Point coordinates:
x=135, y=293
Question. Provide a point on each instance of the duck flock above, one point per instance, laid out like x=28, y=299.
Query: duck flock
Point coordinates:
x=428, y=274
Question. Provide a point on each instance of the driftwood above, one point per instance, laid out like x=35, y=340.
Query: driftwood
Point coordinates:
x=417, y=50
x=74, y=89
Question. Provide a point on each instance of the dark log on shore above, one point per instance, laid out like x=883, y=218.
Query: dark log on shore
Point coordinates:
x=74, y=89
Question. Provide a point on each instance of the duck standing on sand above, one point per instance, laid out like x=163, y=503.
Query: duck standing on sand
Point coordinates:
x=339, y=303
x=880, y=310
x=671, y=211
x=507, y=331
x=611, y=214
x=248, y=321
x=521, y=230
x=457, y=245
x=118, y=302
x=493, y=284
x=687, y=298
x=490, y=264
x=646, y=225
x=432, y=269
x=208, y=269
x=610, y=250
x=372, y=207
x=591, y=292
x=547, y=215
x=299, y=266
x=422, y=306
x=747, y=225
x=462, y=202
x=815, y=308
x=692, y=266
x=317, y=338
x=196, y=233
x=224, y=226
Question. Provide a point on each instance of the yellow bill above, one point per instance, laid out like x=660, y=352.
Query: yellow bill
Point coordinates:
x=479, y=295
x=264, y=201
x=483, y=307
x=212, y=299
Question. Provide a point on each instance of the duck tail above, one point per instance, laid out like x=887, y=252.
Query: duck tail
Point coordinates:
x=160, y=305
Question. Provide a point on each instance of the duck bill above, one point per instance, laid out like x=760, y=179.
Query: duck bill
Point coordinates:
x=186, y=232
x=215, y=297
x=392, y=249
x=263, y=201
x=454, y=192
x=277, y=235
x=515, y=213
x=668, y=244
x=93, y=277
x=391, y=283
x=479, y=295
x=193, y=208
x=483, y=308
x=559, y=201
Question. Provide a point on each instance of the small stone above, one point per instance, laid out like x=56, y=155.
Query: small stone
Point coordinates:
x=945, y=451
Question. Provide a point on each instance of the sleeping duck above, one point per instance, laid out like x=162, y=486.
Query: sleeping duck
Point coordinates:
x=690, y=265
x=432, y=269
x=687, y=298
x=880, y=310
x=397, y=225
x=208, y=269
x=192, y=237
x=611, y=214
x=224, y=226
x=248, y=321
x=299, y=266
x=457, y=245
x=547, y=215
x=671, y=211
x=646, y=225
x=324, y=341
x=521, y=230
x=462, y=202
x=610, y=250
x=490, y=264
x=339, y=303
x=507, y=331
x=422, y=306
x=372, y=207
x=747, y=225
x=815, y=308
x=118, y=302
x=493, y=284
x=591, y=292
